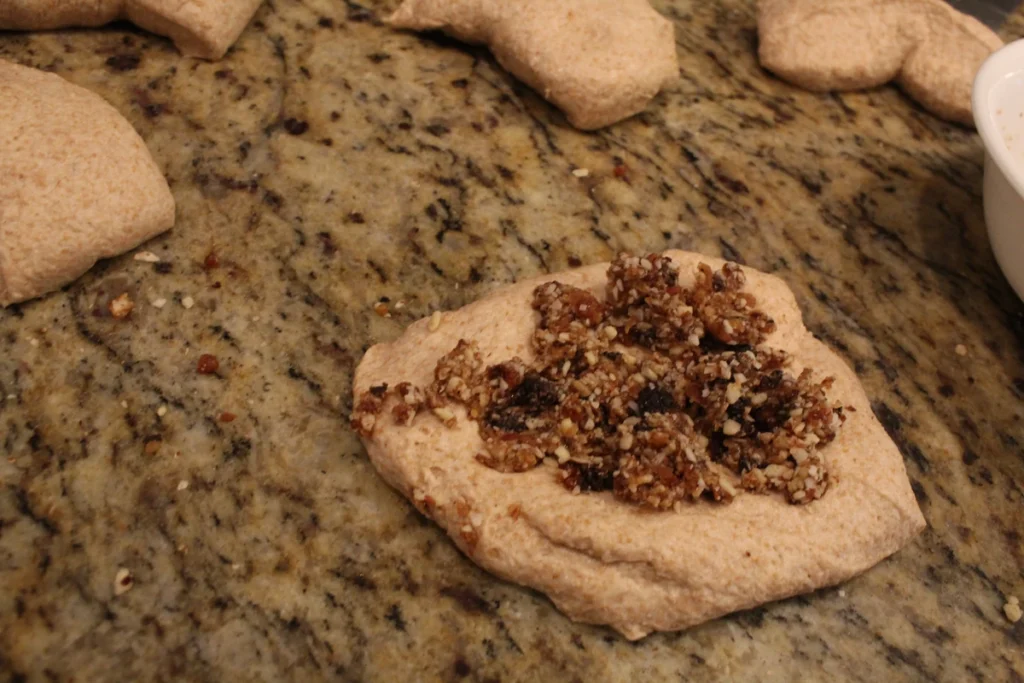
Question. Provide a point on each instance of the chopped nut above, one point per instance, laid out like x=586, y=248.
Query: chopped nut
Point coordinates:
x=961, y=350
x=435, y=321
x=182, y=485
x=121, y=307
x=123, y=581
x=161, y=411
x=158, y=303
x=146, y=257
x=381, y=309
x=731, y=428
x=581, y=172
x=188, y=302
x=1012, y=609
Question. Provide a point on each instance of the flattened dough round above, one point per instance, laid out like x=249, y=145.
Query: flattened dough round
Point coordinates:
x=607, y=562
x=201, y=28
x=599, y=61
x=78, y=183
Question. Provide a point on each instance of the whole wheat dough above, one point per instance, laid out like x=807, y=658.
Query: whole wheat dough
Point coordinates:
x=201, y=28
x=78, y=183
x=607, y=562
x=600, y=61
x=931, y=50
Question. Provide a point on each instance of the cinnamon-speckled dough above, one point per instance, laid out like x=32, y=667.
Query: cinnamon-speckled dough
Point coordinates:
x=604, y=561
x=202, y=28
x=600, y=61
x=78, y=183
x=931, y=50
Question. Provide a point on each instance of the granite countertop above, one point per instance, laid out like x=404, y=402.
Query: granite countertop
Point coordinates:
x=329, y=165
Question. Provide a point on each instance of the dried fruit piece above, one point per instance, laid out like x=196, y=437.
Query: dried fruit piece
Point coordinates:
x=207, y=364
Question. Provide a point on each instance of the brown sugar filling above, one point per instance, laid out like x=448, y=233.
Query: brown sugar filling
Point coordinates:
x=660, y=394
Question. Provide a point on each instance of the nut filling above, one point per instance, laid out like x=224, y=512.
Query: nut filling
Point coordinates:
x=660, y=394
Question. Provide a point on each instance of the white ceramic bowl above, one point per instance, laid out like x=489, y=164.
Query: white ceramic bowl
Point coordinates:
x=998, y=103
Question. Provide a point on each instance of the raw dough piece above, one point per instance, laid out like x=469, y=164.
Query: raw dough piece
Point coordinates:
x=78, y=183
x=607, y=562
x=200, y=28
x=931, y=50
x=600, y=61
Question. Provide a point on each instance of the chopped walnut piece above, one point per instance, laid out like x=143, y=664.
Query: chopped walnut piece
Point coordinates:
x=661, y=394
x=726, y=310
x=458, y=377
x=121, y=306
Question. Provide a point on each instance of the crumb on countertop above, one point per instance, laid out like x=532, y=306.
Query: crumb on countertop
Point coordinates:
x=121, y=307
x=1012, y=609
x=147, y=257
x=123, y=581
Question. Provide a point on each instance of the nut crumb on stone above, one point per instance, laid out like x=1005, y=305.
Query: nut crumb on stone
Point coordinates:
x=581, y=172
x=188, y=302
x=146, y=257
x=121, y=307
x=960, y=350
x=182, y=485
x=435, y=321
x=659, y=393
x=381, y=309
x=161, y=411
x=158, y=303
x=123, y=581
x=1012, y=609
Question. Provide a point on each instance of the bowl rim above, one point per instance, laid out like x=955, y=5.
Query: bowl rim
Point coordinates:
x=1004, y=63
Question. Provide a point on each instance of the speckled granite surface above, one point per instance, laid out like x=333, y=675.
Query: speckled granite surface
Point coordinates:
x=328, y=163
